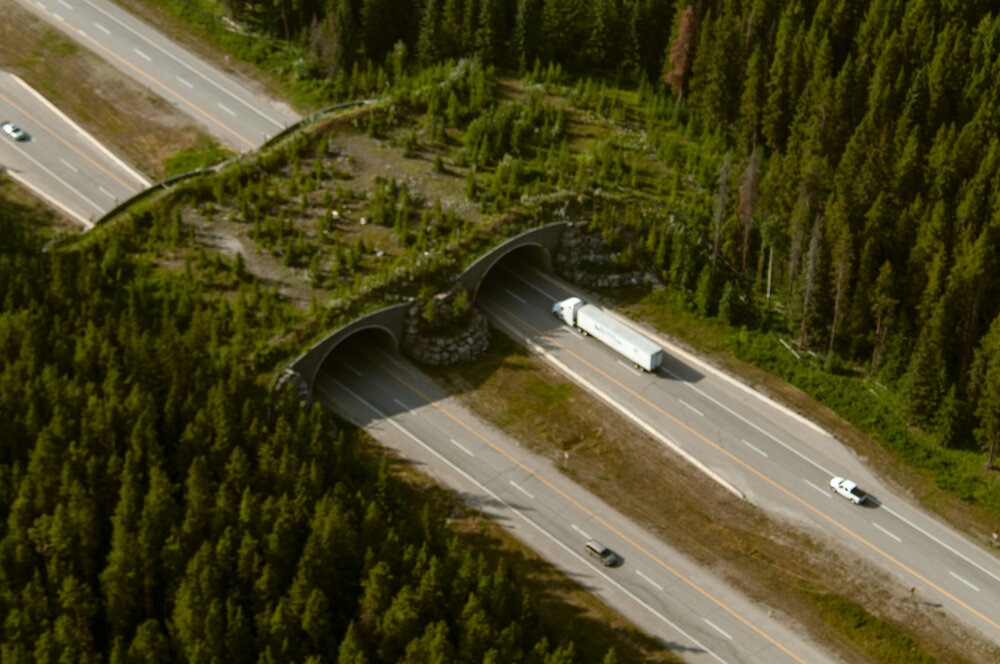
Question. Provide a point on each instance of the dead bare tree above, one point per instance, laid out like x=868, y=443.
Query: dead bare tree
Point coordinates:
x=749, y=188
x=812, y=261
x=721, y=196
x=682, y=52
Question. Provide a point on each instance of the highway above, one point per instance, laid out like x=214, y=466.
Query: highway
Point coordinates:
x=239, y=117
x=660, y=590
x=756, y=449
x=751, y=446
x=59, y=161
x=67, y=168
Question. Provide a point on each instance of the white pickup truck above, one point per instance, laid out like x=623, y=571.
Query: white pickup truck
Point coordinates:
x=849, y=489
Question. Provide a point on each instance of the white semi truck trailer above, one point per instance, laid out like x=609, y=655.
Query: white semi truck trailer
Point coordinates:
x=591, y=320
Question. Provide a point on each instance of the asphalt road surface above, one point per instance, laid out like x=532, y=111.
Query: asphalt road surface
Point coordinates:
x=58, y=160
x=239, y=117
x=664, y=593
x=758, y=449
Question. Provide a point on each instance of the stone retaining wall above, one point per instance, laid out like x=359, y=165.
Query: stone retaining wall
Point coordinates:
x=578, y=248
x=462, y=341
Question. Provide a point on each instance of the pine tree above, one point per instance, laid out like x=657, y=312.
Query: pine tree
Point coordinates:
x=719, y=214
x=377, y=29
x=150, y=645
x=121, y=580
x=527, y=40
x=433, y=647
x=925, y=381
x=842, y=254
x=428, y=51
x=565, y=30
x=475, y=634
x=159, y=517
x=352, y=648
x=752, y=98
x=399, y=624
x=606, y=29
x=883, y=307
x=784, y=79
x=488, y=30
x=811, y=284
x=317, y=620
x=986, y=392
x=334, y=39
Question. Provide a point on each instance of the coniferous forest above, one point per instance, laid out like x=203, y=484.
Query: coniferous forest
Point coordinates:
x=160, y=505
x=857, y=158
x=845, y=192
x=831, y=175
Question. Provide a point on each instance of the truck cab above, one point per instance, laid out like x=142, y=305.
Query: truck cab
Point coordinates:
x=565, y=310
x=849, y=489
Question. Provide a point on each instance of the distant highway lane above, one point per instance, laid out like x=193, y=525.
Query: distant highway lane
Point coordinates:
x=773, y=457
x=58, y=160
x=240, y=118
x=698, y=616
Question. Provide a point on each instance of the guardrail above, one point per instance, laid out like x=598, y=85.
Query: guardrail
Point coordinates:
x=174, y=179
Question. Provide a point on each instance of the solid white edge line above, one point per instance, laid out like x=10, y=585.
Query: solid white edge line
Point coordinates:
x=680, y=352
x=142, y=179
x=652, y=431
x=752, y=425
x=940, y=543
x=790, y=413
x=628, y=593
x=223, y=88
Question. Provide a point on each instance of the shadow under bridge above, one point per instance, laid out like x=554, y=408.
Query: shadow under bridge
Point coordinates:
x=388, y=325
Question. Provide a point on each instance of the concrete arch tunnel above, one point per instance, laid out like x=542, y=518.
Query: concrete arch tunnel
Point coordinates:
x=535, y=246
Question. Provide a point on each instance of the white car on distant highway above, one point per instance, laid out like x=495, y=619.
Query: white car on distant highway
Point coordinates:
x=13, y=131
x=849, y=489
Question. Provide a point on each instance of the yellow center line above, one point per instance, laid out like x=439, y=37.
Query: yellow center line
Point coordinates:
x=582, y=508
x=96, y=45
x=753, y=470
x=13, y=104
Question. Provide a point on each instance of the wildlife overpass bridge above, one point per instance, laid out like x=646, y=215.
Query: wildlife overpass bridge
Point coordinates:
x=535, y=246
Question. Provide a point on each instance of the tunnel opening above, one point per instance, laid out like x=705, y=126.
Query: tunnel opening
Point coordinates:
x=355, y=344
x=516, y=260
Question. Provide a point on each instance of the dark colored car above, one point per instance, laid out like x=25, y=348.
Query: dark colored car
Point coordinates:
x=607, y=557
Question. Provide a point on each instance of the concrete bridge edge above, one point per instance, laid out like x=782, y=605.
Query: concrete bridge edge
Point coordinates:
x=392, y=319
